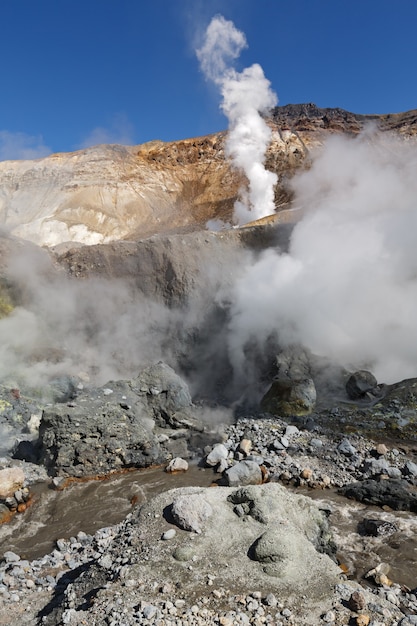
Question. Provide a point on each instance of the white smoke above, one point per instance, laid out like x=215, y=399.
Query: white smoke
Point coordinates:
x=245, y=95
x=21, y=146
x=347, y=289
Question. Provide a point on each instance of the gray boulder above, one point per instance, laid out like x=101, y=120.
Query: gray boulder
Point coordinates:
x=288, y=397
x=360, y=383
x=133, y=423
x=191, y=511
x=244, y=473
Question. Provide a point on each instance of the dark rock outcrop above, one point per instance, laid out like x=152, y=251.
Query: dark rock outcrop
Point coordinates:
x=133, y=423
x=393, y=493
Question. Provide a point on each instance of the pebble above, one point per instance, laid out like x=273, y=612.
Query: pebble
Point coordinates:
x=169, y=534
x=329, y=617
x=357, y=601
x=245, y=446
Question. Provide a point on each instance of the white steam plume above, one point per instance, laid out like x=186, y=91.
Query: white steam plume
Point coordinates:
x=21, y=146
x=246, y=95
x=347, y=289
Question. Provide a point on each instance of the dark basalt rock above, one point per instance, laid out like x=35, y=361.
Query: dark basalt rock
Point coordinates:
x=377, y=528
x=392, y=493
x=361, y=383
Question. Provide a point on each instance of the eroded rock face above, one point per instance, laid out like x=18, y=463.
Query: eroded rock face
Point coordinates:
x=134, y=423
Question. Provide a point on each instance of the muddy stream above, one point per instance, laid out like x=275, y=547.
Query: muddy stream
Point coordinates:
x=96, y=504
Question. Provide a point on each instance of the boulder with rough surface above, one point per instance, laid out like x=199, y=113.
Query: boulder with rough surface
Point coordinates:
x=132, y=423
x=290, y=397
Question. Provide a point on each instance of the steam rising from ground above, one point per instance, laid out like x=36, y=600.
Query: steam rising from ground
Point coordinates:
x=347, y=288
x=245, y=95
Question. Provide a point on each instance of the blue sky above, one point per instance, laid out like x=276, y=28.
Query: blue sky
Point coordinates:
x=81, y=72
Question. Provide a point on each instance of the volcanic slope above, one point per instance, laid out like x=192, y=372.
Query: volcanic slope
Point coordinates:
x=112, y=192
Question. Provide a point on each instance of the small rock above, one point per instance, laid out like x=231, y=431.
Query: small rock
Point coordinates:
x=306, y=473
x=11, y=557
x=410, y=468
x=363, y=619
x=357, y=601
x=346, y=448
x=378, y=528
x=5, y=513
x=245, y=446
x=271, y=600
x=291, y=430
x=218, y=453
x=316, y=443
x=149, y=611
x=183, y=553
x=381, y=449
x=169, y=534
x=177, y=465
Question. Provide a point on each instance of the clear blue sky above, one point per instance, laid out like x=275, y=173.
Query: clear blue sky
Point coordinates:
x=79, y=72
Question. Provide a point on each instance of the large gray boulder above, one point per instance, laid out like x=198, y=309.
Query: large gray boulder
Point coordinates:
x=290, y=397
x=132, y=423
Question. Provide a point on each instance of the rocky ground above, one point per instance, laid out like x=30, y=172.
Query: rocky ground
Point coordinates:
x=251, y=550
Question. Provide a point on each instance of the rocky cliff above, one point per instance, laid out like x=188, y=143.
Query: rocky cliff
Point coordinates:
x=113, y=192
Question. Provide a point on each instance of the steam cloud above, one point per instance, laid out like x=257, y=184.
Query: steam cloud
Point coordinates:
x=347, y=289
x=245, y=95
x=120, y=131
x=21, y=146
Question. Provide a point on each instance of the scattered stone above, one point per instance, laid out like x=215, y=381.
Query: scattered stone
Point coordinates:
x=177, y=465
x=410, y=468
x=378, y=528
x=291, y=430
x=381, y=449
x=357, y=601
x=345, y=447
x=11, y=557
x=218, y=454
x=169, y=534
x=245, y=446
x=5, y=513
x=184, y=553
x=329, y=617
x=306, y=473
x=244, y=473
